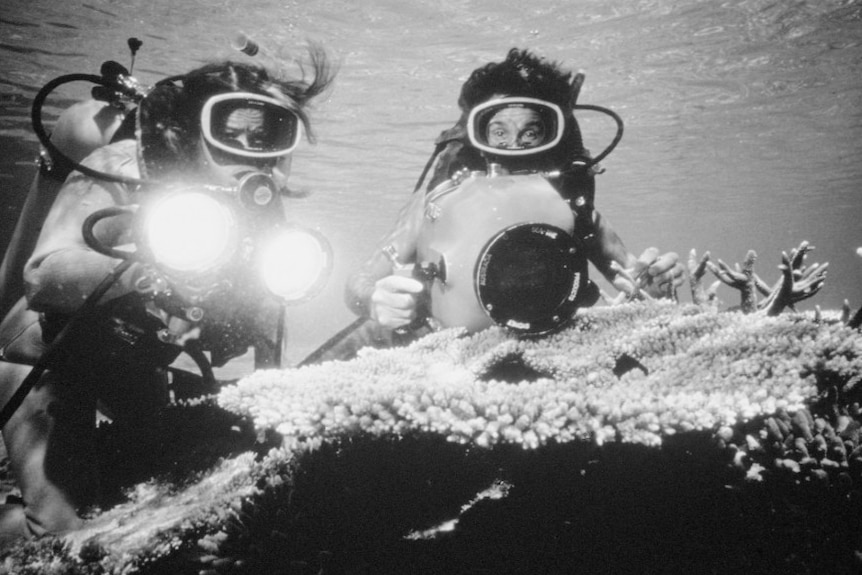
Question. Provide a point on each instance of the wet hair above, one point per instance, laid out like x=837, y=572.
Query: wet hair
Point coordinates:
x=169, y=117
x=520, y=74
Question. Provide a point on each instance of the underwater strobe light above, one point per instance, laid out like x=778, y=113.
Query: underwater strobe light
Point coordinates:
x=294, y=263
x=193, y=233
x=190, y=232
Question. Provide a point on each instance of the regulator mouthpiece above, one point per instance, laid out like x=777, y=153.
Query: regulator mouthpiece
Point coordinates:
x=244, y=44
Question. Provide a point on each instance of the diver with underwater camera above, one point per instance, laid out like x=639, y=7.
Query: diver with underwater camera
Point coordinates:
x=165, y=233
x=505, y=228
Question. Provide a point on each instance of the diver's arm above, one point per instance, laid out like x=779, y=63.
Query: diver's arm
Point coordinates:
x=376, y=274
x=63, y=270
x=608, y=248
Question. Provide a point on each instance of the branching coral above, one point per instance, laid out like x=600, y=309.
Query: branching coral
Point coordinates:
x=738, y=376
x=802, y=444
x=630, y=283
x=696, y=272
x=705, y=369
x=740, y=278
x=776, y=394
x=798, y=281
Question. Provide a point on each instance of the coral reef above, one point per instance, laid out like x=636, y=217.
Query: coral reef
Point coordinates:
x=798, y=282
x=699, y=369
x=648, y=436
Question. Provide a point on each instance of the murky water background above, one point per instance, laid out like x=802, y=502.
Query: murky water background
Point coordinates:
x=743, y=118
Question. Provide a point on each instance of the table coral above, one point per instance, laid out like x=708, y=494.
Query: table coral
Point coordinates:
x=757, y=416
x=401, y=439
x=701, y=369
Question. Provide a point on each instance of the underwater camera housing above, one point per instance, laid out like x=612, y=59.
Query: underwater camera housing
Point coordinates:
x=504, y=252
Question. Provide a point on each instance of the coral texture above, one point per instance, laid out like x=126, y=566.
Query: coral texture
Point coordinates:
x=694, y=369
x=798, y=281
x=678, y=416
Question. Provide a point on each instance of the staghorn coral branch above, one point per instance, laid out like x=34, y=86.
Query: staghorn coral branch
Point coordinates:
x=618, y=299
x=740, y=278
x=797, y=255
x=696, y=272
x=762, y=287
x=798, y=281
x=636, y=282
x=697, y=269
x=845, y=312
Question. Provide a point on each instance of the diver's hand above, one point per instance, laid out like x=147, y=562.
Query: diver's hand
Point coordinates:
x=393, y=302
x=656, y=275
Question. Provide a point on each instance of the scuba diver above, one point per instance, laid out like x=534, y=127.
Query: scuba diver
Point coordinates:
x=504, y=229
x=167, y=198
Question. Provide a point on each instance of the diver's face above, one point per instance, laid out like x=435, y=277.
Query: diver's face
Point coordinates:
x=245, y=126
x=252, y=128
x=516, y=128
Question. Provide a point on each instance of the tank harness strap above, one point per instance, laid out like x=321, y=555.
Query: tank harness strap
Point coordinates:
x=577, y=186
x=447, y=148
x=581, y=198
x=583, y=208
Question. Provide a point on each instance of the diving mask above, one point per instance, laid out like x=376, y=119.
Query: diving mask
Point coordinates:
x=515, y=126
x=250, y=125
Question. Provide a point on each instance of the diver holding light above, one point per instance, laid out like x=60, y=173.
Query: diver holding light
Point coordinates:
x=167, y=235
x=504, y=230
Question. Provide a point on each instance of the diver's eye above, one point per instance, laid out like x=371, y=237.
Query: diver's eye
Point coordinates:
x=231, y=137
x=499, y=137
x=257, y=140
x=227, y=134
x=532, y=136
x=244, y=139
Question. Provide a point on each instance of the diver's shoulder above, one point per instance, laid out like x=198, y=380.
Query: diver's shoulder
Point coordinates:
x=116, y=158
x=452, y=183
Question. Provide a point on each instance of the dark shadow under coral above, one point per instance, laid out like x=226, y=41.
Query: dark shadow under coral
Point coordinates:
x=573, y=508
